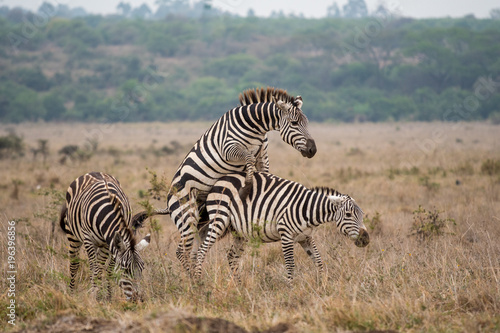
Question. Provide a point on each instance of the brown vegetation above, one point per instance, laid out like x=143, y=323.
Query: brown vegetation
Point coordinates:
x=431, y=197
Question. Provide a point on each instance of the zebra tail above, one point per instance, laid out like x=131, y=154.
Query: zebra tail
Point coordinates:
x=62, y=216
x=139, y=218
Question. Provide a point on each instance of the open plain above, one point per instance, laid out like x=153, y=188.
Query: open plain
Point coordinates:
x=430, y=193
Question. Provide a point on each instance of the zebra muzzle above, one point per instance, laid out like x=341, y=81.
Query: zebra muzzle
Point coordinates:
x=310, y=149
x=363, y=238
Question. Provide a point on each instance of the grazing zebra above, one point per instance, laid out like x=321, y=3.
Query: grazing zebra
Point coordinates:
x=97, y=215
x=277, y=210
x=234, y=143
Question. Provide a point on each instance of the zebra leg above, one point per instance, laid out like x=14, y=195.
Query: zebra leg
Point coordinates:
x=250, y=161
x=309, y=246
x=186, y=223
x=109, y=265
x=215, y=230
x=199, y=237
x=287, y=244
x=92, y=253
x=233, y=256
x=184, y=248
x=74, y=260
x=262, y=163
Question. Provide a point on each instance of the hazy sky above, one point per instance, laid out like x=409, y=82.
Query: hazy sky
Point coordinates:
x=310, y=8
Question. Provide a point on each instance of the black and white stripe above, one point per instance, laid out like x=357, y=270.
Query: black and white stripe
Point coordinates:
x=232, y=144
x=97, y=215
x=277, y=210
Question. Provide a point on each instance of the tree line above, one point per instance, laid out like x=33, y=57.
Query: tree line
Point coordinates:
x=120, y=68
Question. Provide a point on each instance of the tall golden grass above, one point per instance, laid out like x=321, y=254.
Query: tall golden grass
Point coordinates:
x=446, y=278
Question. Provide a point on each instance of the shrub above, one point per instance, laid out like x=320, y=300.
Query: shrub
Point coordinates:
x=73, y=152
x=15, y=192
x=466, y=169
x=159, y=186
x=431, y=186
x=373, y=224
x=491, y=167
x=427, y=225
x=42, y=149
x=52, y=209
x=11, y=146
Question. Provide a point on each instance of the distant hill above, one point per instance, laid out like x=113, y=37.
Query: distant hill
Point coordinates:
x=192, y=67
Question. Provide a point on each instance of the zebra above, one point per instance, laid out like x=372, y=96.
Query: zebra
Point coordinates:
x=97, y=214
x=235, y=142
x=277, y=210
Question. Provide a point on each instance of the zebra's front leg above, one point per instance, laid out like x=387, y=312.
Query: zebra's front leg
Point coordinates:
x=287, y=244
x=310, y=248
x=104, y=256
x=262, y=160
x=236, y=152
x=234, y=255
x=245, y=191
x=95, y=276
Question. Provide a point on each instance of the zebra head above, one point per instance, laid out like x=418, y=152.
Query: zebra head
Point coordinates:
x=349, y=219
x=127, y=257
x=293, y=127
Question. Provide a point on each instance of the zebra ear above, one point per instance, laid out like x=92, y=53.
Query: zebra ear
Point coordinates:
x=285, y=107
x=298, y=102
x=337, y=201
x=143, y=243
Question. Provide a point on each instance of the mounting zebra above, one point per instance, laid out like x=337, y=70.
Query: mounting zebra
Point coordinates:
x=97, y=215
x=277, y=210
x=233, y=143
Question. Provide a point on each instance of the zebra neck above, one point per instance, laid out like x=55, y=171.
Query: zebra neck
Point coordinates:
x=323, y=210
x=265, y=116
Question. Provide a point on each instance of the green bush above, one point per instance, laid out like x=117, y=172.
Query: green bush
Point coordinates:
x=428, y=224
x=11, y=146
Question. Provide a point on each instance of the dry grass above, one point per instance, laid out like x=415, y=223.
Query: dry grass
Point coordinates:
x=448, y=282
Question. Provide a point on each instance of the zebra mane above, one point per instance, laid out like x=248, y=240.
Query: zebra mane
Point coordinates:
x=332, y=192
x=328, y=191
x=269, y=94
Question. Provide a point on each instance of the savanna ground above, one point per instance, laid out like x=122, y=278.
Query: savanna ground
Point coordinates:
x=430, y=193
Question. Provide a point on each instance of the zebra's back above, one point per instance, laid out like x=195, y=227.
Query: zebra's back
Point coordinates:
x=91, y=210
x=258, y=214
